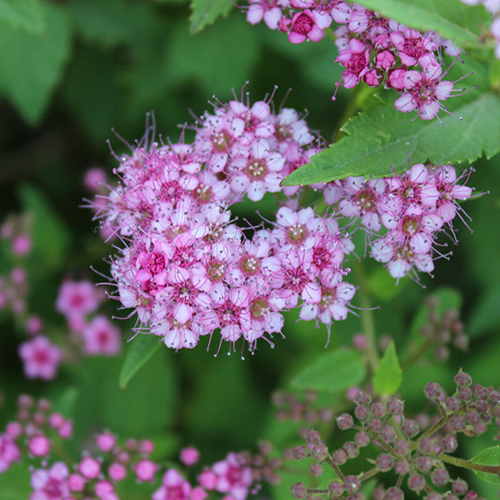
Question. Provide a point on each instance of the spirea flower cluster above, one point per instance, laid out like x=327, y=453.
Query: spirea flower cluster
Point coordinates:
x=90, y=333
x=403, y=215
x=419, y=457
x=101, y=471
x=493, y=7
x=33, y=432
x=372, y=49
x=187, y=269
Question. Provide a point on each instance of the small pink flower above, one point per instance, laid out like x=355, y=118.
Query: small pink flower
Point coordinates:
x=76, y=482
x=308, y=25
x=66, y=429
x=103, y=489
x=105, y=441
x=34, y=325
x=77, y=298
x=198, y=493
x=208, y=479
x=94, y=179
x=267, y=10
x=450, y=191
x=101, y=337
x=89, y=468
x=50, y=484
x=39, y=446
x=9, y=452
x=41, y=358
x=21, y=244
x=356, y=59
x=189, y=456
x=257, y=173
x=234, y=477
x=117, y=472
x=173, y=486
x=145, y=470
x=425, y=91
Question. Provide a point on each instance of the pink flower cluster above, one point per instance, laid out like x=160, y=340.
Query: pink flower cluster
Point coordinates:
x=91, y=334
x=79, y=301
x=14, y=291
x=403, y=215
x=372, y=48
x=16, y=230
x=186, y=268
x=99, y=474
x=33, y=432
x=493, y=7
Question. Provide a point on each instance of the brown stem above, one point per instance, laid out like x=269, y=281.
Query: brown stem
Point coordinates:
x=367, y=318
x=329, y=461
x=418, y=353
x=368, y=474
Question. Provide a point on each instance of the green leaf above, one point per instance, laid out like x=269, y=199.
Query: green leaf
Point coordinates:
x=32, y=65
x=94, y=92
x=25, y=14
x=15, y=482
x=379, y=141
x=382, y=286
x=490, y=456
x=50, y=239
x=450, y=18
x=65, y=402
x=205, y=12
x=112, y=22
x=217, y=60
x=333, y=372
x=389, y=376
x=486, y=315
x=141, y=350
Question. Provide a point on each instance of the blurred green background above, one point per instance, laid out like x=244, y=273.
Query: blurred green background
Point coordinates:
x=80, y=68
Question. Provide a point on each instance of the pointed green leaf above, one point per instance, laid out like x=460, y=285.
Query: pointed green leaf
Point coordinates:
x=32, y=64
x=450, y=18
x=206, y=12
x=490, y=456
x=379, y=141
x=141, y=350
x=389, y=375
x=50, y=239
x=25, y=14
x=333, y=372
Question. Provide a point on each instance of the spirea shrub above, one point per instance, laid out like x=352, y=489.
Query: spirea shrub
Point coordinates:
x=246, y=221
